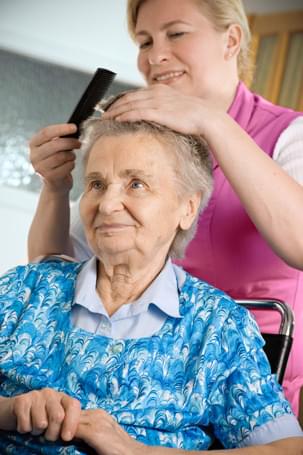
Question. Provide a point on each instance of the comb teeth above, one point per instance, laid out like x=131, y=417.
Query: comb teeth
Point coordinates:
x=94, y=92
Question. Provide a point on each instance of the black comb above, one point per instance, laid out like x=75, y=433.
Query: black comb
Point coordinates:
x=94, y=92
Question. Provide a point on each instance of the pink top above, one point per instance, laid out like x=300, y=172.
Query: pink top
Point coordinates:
x=229, y=252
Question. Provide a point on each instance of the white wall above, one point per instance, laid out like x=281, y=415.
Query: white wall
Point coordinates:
x=85, y=34
x=75, y=33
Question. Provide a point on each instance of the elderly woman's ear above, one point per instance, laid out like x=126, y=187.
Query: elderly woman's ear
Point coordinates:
x=191, y=208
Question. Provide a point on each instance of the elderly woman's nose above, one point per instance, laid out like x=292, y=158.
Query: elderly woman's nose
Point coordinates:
x=112, y=199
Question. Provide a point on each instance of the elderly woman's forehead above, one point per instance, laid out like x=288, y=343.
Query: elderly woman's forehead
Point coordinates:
x=135, y=146
x=141, y=137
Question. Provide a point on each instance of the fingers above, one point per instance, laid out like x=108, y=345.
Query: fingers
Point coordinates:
x=163, y=105
x=30, y=413
x=101, y=432
x=51, y=148
x=63, y=418
x=61, y=173
x=94, y=426
x=39, y=419
x=51, y=155
x=72, y=410
x=51, y=132
x=151, y=104
x=22, y=411
x=54, y=413
x=48, y=165
x=128, y=102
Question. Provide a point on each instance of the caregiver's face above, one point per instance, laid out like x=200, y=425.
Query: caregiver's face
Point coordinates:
x=179, y=46
x=130, y=202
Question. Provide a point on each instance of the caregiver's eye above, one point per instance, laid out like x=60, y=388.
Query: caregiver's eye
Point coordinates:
x=176, y=34
x=145, y=44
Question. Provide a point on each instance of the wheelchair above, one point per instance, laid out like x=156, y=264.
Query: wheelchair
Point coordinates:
x=277, y=345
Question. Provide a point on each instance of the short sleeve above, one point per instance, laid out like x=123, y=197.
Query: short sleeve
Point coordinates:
x=11, y=286
x=288, y=150
x=246, y=395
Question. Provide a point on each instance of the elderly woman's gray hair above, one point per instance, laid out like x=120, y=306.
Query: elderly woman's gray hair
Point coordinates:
x=192, y=169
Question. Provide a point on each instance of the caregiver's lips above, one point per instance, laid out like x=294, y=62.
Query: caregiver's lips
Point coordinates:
x=167, y=76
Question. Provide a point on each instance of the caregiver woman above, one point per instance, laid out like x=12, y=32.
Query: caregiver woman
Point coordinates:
x=193, y=55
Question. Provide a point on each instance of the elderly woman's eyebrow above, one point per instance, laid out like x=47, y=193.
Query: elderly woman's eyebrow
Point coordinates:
x=138, y=173
x=93, y=176
x=134, y=173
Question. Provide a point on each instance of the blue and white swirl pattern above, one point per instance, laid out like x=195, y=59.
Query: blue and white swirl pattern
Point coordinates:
x=205, y=372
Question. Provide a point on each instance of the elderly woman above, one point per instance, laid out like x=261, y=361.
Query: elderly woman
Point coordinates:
x=127, y=353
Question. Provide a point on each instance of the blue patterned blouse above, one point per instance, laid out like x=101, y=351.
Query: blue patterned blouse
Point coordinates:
x=202, y=374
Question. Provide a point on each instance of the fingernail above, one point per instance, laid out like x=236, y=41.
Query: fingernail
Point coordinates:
x=67, y=436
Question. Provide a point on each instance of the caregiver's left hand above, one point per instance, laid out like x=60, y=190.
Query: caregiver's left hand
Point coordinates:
x=166, y=106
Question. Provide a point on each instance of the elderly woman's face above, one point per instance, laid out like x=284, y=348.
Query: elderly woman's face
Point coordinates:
x=130, y=202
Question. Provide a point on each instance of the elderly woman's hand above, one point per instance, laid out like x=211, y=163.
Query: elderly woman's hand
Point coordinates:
x=101, y=432
x=52, y=157
x=41, y=411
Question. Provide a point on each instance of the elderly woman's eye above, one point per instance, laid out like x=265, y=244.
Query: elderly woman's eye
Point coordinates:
x=136, y=185
x=96, y=185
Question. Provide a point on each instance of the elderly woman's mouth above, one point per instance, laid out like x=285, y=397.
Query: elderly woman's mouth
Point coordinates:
x=112, y=228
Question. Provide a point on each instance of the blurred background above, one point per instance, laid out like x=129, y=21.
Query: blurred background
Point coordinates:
x=48, y=53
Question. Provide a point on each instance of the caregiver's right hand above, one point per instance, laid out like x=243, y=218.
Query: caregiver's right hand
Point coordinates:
x=52, y=157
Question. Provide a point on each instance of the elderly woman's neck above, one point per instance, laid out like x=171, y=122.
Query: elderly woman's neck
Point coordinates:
x=122, y=283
